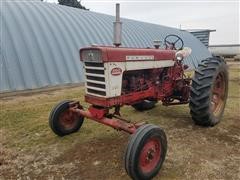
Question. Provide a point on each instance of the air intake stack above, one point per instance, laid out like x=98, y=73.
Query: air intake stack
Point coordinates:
x=117, y=32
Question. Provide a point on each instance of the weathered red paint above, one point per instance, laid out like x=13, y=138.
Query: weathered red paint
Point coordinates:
x=68, y=119
x=150, y=155
x=218, y=94
x=99, y=115
x=120, y=100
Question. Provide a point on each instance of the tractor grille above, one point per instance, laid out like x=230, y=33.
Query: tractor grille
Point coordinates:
x=95, y=78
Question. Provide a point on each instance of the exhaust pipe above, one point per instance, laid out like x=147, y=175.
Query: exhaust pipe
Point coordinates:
x=117, y=31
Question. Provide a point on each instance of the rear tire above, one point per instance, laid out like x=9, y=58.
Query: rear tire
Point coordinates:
x=62, y=121
x=145, y=152
x=209, y=92
x=144, y=105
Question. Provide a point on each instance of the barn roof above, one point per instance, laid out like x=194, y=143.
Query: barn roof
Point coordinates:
x=40, y=42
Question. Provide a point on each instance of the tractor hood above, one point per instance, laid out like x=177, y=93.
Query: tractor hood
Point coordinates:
x=113, y=54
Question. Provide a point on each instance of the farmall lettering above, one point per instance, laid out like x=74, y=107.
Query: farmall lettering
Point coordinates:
x=137, y=58
x=118, y=76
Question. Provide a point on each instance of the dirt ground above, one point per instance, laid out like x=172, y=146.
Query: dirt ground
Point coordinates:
x=29, y=150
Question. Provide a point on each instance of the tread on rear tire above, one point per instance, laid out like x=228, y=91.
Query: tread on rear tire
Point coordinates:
x=209, y=91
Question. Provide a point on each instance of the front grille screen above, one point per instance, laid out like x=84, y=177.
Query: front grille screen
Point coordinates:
x=95, y=78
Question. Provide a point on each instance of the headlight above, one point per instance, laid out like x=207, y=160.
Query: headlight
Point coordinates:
x=185, y=52
x=179, y=56
x=91, y=55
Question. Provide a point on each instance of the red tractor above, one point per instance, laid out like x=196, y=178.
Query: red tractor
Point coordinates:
x=117, y=76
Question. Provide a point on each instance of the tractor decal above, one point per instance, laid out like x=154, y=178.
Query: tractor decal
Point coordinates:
x=116, y=71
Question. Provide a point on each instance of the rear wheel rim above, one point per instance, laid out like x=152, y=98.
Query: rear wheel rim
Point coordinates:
x=68, y=119
x=150, y=155
x=218, y=94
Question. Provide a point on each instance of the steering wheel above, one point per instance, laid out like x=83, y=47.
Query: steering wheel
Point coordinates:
x=174, y=42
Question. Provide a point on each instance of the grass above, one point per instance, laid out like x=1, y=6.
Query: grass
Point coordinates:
x=24, y=121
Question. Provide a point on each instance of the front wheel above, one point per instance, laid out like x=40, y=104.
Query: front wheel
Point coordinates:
x=145, y=152
x=62, y=121
x=209, y=92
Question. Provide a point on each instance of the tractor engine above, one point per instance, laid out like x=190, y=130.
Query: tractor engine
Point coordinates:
x=139, y=80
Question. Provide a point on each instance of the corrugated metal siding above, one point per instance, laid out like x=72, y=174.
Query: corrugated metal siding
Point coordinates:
x=40, y=42
x=203, y=36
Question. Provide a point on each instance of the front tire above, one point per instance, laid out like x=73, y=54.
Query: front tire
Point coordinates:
x=62, y=121
x=209, y=92
x=145, y=152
